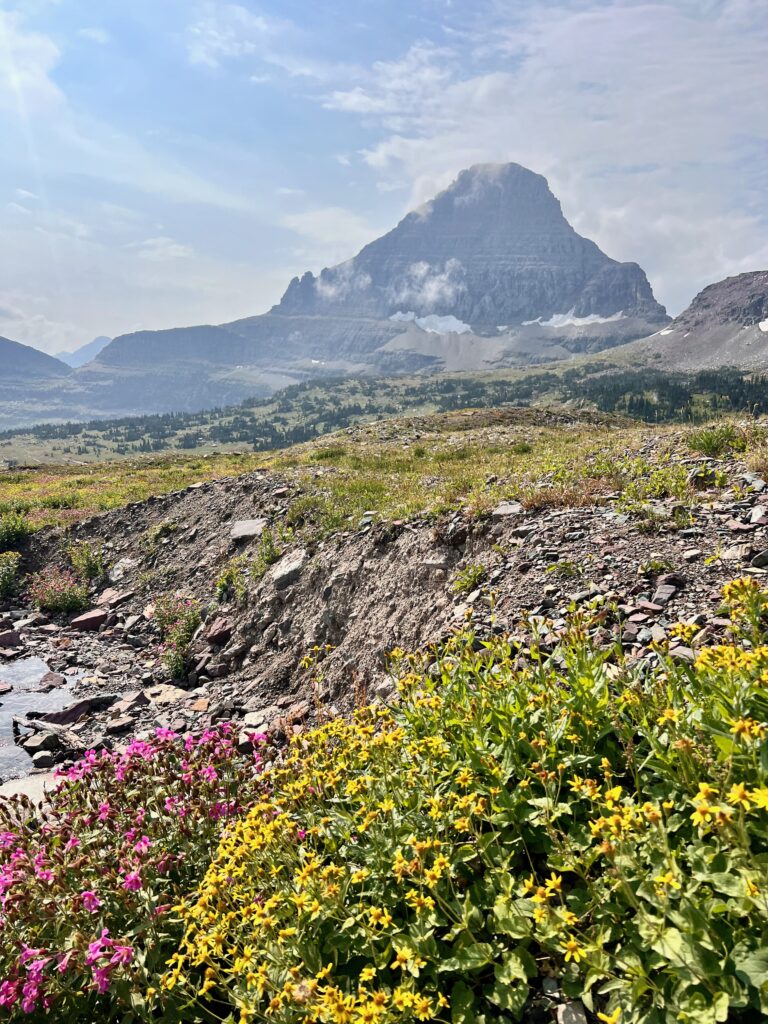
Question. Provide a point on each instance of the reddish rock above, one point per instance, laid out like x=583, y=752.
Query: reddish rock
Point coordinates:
x=50, y=681
x=5, y=688
x=219, y=631
x=91, y=620
x=200, y=705
x=112, y=598
x=298, y=712
x=10, y=638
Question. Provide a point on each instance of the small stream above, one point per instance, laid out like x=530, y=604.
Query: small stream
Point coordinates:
x=24, y=675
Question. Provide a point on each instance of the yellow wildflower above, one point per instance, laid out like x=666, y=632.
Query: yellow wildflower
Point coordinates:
x=738, y=795
x=573, y=950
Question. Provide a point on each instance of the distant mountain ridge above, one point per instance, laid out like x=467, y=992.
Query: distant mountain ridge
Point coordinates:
x=488, y=274
x=725, y=325
x=22, y=362
x=85, y=353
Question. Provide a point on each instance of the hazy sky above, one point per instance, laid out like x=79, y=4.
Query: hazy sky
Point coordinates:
x=168, y=162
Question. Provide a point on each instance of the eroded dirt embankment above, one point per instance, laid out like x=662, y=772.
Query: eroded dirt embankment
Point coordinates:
x=359, y=594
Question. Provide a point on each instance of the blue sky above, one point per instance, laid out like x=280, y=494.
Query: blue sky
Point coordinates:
x=167, y=162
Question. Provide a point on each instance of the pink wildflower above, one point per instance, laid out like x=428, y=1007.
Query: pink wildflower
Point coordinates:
x=132, y=881
x=101, y=979
x=90, y=901
x=122, y=954
x=143, y=845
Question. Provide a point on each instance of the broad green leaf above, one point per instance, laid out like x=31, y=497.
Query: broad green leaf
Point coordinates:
x=462, y=1004
x=751, y=965
x=510, y=969
x=469, y=958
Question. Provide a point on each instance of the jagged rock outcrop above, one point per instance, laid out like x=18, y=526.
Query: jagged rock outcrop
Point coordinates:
x=492, y=249
x=725, y=325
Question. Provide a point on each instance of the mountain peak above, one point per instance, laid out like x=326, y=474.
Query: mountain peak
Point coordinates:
x=494, y=247
x=27, y=363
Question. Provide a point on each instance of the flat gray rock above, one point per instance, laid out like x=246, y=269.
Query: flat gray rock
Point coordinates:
x=33, y=786
x=288, y=569
x=247, y=529
x=507, y=508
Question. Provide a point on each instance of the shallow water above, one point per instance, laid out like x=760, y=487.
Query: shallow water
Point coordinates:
x=23, y=675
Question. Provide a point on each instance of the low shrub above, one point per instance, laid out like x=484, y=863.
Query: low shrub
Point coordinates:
x=88, y=561
x=232, y=583
x=57, y=590
x=9, y=573
x=87, y=884
x=717, y=440
x=14, y=530
x=269, y=552
x=177, y=619
x=518, y=814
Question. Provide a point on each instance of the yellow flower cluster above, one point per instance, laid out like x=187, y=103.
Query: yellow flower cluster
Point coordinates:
x=384, y=844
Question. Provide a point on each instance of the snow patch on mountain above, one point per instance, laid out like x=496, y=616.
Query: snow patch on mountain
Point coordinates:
x=433, y=323
x=570, y=320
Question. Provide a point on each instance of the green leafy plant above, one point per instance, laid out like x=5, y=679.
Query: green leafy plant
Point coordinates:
x=268, y=553
x=177, y=618
x=232, y=583
x=57, y=590
x=717, y=440
x=469, y=578
x=14, y=530
x=566, y=569
x=9, y=573
x=87, y=560
x=655, y=567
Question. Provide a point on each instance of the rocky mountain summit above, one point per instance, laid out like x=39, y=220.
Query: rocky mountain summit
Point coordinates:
x=488, y=274
x=725, y=325
x=494, y=248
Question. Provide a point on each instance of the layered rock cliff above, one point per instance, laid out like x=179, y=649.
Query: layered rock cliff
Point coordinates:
x=492, y=249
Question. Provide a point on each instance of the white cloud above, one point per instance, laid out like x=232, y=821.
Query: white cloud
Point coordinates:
x=406, y=87
x=26, y=61
x=161, y=249
x=222, y=32
x=648, y=118
x=427, y=287
x=23, y=193
x=333, y=233
x=341, y=281
x=95, y=35
x=226, y=31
